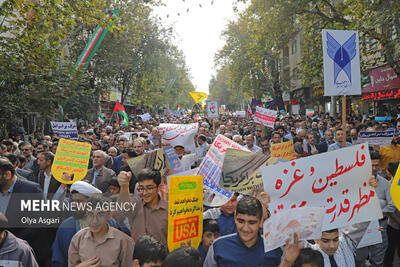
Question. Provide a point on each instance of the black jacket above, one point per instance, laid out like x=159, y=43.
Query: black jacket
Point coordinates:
x=38, y=238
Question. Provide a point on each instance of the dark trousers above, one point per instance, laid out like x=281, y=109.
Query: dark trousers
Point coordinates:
x=393, y=245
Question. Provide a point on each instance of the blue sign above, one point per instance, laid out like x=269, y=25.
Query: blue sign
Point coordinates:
x=173, y=159
x=66, y=130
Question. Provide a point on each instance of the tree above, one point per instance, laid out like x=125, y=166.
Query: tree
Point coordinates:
x=252, y=63
x=137, y=58
x=222, y=91
x=30, y=53
x=378, y=23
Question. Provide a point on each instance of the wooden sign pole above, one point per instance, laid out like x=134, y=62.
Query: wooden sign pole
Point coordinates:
x=344, y=122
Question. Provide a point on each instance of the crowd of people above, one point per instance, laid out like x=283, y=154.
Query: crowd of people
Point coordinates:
x=138, y=237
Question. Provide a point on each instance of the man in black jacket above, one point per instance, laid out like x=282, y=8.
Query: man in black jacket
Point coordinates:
x=325, y=142
x=12, y=192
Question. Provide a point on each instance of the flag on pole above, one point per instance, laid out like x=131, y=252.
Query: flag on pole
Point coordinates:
x=171, y=83
x=262, y=76
x=310, y=112
x=94, y=43
x=198, y=96
x=101, y=119
x=249, y=112
x=120, y=110
x=88, y=53
x=156, y=108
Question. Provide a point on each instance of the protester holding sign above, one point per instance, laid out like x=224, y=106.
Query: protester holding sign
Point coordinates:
x=245, y=248
x=223, y=174
x=150, y=215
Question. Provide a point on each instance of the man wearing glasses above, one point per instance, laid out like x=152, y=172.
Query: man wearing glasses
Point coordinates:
x=27, y=150
x=99, y=244
x=151, y=214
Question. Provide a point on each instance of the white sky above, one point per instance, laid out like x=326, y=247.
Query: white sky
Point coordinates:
x=198, y=33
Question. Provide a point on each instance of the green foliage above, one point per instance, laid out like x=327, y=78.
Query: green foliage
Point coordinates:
x=222, y=91
x=30, y=53
x=138, y=59
x=264, y=28
x=42, y=40
x=377, y=23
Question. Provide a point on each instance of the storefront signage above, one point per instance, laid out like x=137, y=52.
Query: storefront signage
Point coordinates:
x=382, y=78
x=382, y=95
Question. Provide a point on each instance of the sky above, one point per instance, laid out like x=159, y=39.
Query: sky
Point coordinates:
x=198, y=33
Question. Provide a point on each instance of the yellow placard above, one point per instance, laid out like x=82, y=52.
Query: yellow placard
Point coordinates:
x=71, y=157
x=198, y=96
x=283, y=150
x=185, y=211
x=395, y=189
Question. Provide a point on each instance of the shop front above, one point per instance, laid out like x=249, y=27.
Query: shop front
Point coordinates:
x=300, y=100
x=319, y=101
x=382, y=94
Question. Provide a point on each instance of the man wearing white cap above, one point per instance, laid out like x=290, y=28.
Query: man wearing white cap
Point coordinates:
x=80, y=192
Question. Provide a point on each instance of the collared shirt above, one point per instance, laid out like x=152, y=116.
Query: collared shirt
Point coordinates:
x=203, y=252
x=47, y=179
x=230, y=251
x=321, y=133
x=383, y=194
x=336, y=146
x=114, y=249
x=253, y=149
x=156, y=221
x=344, y=255
x=5, y=198
x=226, y=223
x=95, y=173
x=29, y=163
x=145, y=220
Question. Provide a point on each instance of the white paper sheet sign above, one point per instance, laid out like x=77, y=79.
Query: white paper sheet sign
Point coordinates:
x=337, y=181
x=212, y=109
x=306, y=222
x=145, y=117
x=211, y=169
x=372, y=235
x=341, y=62
x=267, y=117
x=179, y=134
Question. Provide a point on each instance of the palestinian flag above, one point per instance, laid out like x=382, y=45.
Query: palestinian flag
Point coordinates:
x=179, y=108
x=120, y=110
x=101, y=119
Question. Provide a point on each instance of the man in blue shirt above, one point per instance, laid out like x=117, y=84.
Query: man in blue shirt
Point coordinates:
x=210, y=233
x=244, y=248
x=338, y=141
x=224, y=216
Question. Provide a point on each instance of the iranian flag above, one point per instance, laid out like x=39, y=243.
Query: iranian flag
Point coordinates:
x=120, y=110
x=249, y=112
x=93, y=44
x=101, y=119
